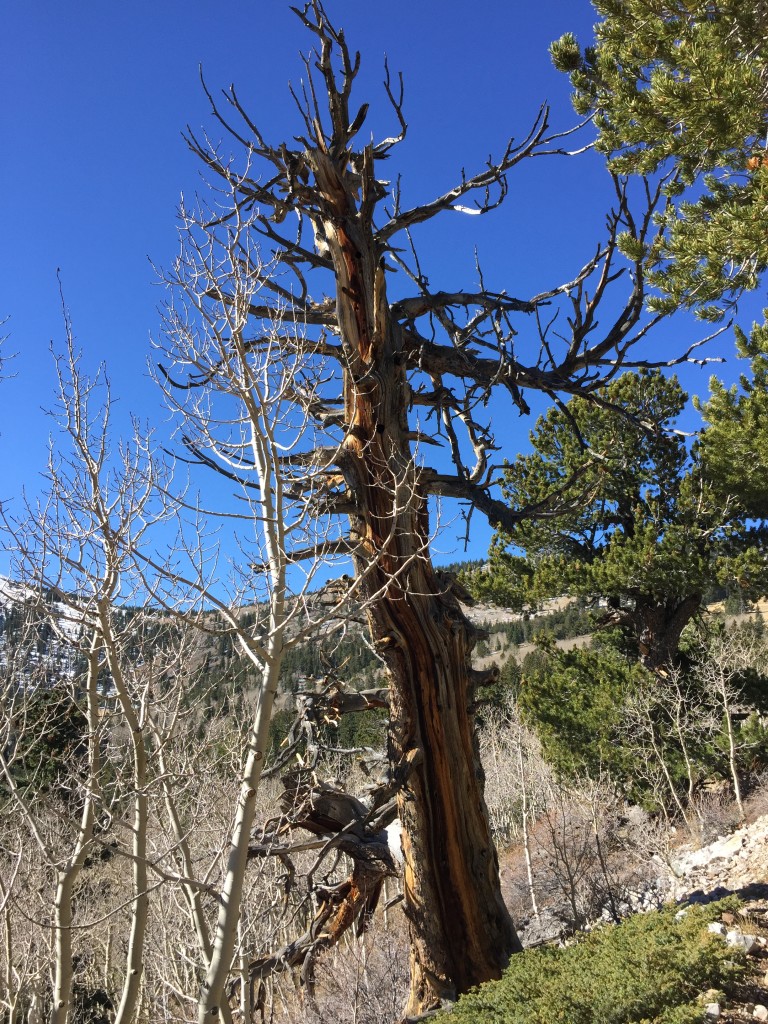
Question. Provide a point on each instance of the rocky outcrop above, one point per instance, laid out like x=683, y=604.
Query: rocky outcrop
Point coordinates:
x=734, y=863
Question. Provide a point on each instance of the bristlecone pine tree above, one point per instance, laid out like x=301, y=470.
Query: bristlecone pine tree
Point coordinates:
x=400, y=374
x=680, y=89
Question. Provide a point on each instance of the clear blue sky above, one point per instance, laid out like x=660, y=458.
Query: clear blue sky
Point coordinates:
x=95, y=96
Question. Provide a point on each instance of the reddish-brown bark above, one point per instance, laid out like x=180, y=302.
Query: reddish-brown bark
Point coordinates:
x=461, y=932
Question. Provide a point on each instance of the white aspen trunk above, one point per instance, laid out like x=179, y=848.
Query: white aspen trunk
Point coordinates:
x=690, y=773
x=526, y=835
x=244, y=987
x=6, y=992
x=732, y=760
x=688, y=767
x=68, y=874
x=108, y=958
x=668, y=778
x=212, y=1004
x=35, y=1011
x=9, y=993
x=135, y=960
x=191, y=892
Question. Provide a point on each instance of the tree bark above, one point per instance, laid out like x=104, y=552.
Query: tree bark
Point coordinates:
x=461, y=933
x=659, y=627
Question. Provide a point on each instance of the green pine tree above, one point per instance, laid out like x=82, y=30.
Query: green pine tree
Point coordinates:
x=624, y=513
x=680, y=89
x=734, y=448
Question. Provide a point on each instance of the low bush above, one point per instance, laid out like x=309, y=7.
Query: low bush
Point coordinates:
x=651, y=969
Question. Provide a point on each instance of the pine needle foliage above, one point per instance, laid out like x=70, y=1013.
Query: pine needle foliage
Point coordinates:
x=680, y=88
x=624, y=514
x=734, y=447
x=651, y=969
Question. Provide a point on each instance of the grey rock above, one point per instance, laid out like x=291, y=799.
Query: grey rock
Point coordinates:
x=739, y=940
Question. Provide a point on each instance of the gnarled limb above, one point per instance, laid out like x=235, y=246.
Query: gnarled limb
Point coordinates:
x=347, y=825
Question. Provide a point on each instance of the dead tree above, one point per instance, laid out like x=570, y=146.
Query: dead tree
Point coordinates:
x=398, y=378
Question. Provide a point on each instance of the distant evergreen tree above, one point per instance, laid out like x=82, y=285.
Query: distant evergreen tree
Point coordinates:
x=629, y=517
x=51, y=745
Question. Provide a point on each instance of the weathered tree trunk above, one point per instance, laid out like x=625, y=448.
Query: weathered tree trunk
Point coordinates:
x=659, y=628
x=451, y=869
x=461, y=933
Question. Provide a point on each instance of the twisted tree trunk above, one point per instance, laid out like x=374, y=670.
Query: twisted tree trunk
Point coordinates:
x=461, y=933
x=658, y=628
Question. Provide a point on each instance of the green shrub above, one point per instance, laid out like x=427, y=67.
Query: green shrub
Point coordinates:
x=650, y=970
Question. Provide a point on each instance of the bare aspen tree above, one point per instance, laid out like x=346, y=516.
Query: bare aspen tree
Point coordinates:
x=527, y=812
x=76, y=546
x=402, y=375
x=683, y=707
x=646, y=715
x=165, y=724
x=243, y=397
x=68, y=872
x=55, y=804
x=83, y=555
x=599, y=795
x=515, y=774
x=76, y=562
x=664, y=721
x=726, y=658
x=30, y=849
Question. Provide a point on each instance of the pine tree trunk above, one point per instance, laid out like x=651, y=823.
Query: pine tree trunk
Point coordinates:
x=659, y=627
x=461, y=933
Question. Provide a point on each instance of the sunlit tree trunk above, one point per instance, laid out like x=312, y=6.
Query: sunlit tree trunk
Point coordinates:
x=68, y=873
x=271, y=509
x=212, y=1004
x=135, y=719
x=461, y=932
